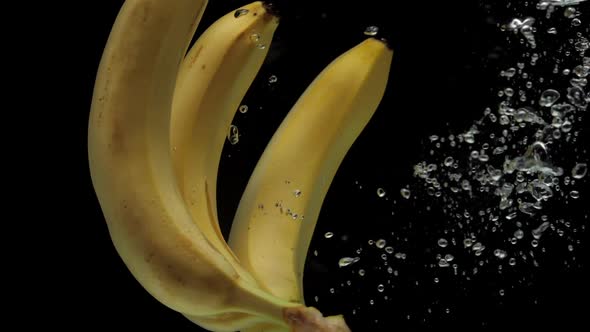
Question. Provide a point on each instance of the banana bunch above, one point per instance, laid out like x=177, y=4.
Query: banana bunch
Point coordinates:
x=158, y=121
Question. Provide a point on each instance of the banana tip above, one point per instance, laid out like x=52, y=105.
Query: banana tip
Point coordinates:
x=272, y=8
x=386, y=42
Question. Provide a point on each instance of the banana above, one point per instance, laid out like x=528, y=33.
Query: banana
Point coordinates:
x=212, y=81
x=129, y=154
x=278, y=211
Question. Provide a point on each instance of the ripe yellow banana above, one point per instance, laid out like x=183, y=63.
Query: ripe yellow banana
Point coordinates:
x=212, y=81
x=150, y=224
x=278, y=211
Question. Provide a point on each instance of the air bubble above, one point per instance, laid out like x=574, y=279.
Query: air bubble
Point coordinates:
x=569, y=12
x=380, y=192
x=380, y=288
x=581, y=71
x=297, y=193
x=240, y=12
x=548, y=97
x=510, y=72
x=243, y=108
x=467, y=243
x=233, y=136
x=272, y=79
x=576, y=22
x=574, y=194
x=346, y=261
x=371, y=30
x=328, y=235
x=405, y=193
x=537, y=232
x=255, y=37
x=443, y=242
x=579, y=171
x=501, y=254
x=380, y=243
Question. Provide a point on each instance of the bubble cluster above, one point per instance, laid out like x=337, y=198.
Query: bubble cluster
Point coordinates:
x=499, y=192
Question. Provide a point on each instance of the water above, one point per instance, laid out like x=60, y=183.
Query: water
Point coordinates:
x=495, y=201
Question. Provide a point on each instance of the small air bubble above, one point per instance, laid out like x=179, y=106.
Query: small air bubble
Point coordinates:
x=448, y=161
x=297, y=193
x=361, y=272
x=380, y=243
x=579, y=171
x=255, y=37
x=574, y=194
x=467, y=243
x=380, y=288
x=389, y=250
x=405, y=193
x=576, y=22
x=328, y=235
x=346, y=261
x=240, y=12
x=272, y=79
x=380, y=192
x=548, y=97
x=243, y=108
x=233, y=135
x=371, y=30
x=569, y=12
x=443, y=242
x=501, y=254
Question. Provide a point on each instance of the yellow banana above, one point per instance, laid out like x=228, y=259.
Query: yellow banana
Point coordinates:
x=212, y=81
x=278, y=211
x=129, y=151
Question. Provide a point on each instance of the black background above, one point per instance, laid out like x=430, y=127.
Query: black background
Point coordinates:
x=445, y=72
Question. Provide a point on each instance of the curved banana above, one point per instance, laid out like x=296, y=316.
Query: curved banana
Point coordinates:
x=278, y=211
x=132, y=172
x=212, y=81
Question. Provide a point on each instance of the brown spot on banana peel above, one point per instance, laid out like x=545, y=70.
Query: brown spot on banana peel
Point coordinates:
x=195, y=56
